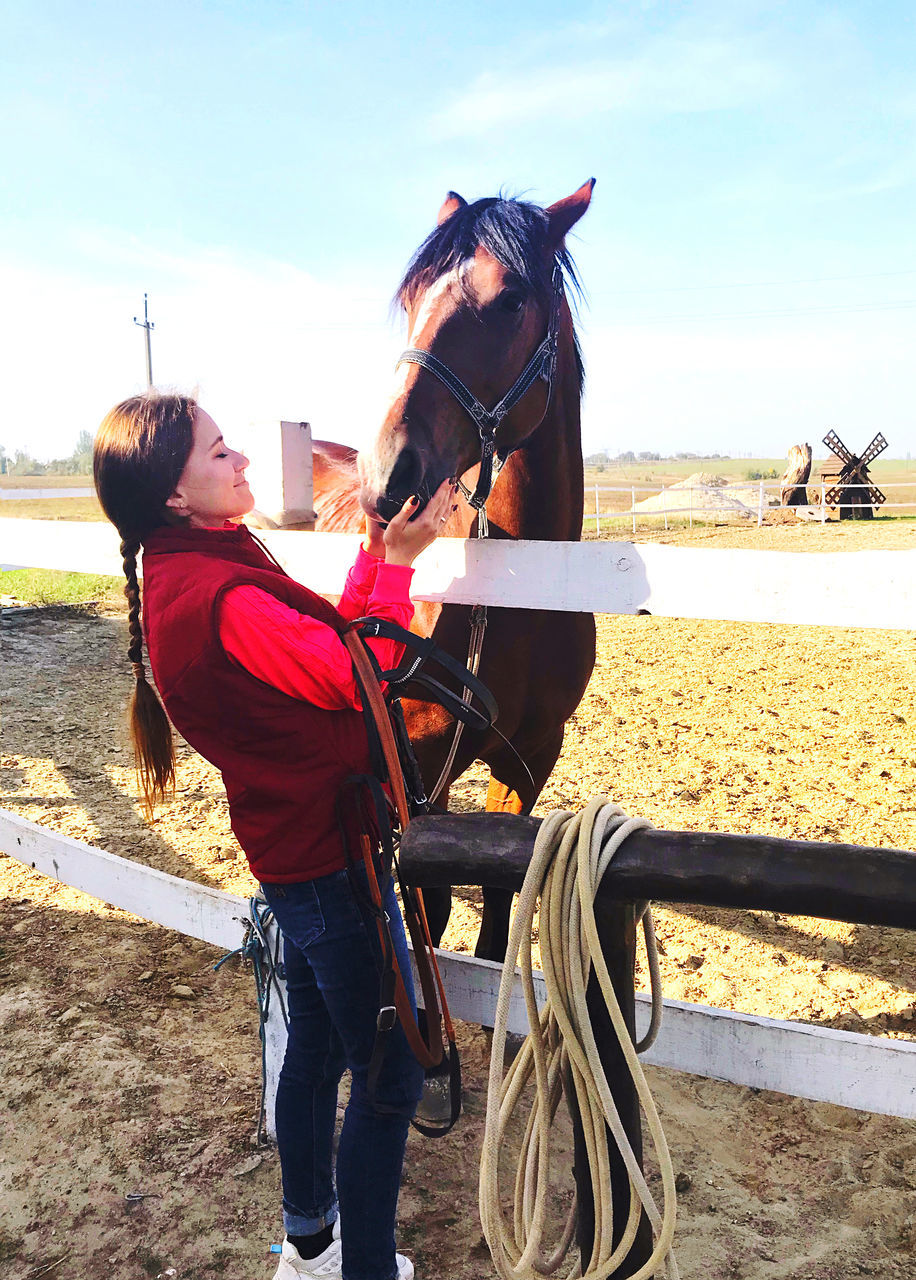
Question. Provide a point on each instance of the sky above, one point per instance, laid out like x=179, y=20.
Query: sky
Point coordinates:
x=265, y=170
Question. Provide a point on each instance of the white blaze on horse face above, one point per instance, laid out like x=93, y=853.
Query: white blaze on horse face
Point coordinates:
x=420, y=322
x=376, y=466
x=431, y=299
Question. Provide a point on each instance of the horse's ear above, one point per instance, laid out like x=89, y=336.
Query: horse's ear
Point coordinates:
x=566, y=213
x=452, y=203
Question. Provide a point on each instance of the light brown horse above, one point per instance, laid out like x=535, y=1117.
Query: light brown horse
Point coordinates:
x=481, y=295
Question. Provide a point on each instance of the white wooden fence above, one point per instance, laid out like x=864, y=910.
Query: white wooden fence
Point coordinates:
x=874, y=589
x=843, y=1067
x=857, y=589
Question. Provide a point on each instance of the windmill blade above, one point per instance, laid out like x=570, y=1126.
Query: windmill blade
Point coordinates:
x=835, y=445
x=875, y=496
x=878, y=445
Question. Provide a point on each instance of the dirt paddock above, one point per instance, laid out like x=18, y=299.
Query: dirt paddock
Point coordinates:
x=118, y=1082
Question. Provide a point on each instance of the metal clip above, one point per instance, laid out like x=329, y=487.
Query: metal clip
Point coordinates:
x=478, y=615
x=386, y=1017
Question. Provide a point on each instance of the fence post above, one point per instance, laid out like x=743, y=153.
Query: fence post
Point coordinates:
x=760, y=506
x=617, y=929
x=597, y=515
x=665, y=505
x=823, y=503
x=633, y=505
x=281, y=472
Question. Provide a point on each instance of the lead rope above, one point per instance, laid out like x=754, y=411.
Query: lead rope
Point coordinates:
x=475, y=642
x=571, y=854
x=267, y=967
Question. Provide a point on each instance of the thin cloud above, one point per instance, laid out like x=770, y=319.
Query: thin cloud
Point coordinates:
x=672, y=76
x=260, y=338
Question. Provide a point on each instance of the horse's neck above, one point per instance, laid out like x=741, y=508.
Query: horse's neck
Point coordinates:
x=540, y=492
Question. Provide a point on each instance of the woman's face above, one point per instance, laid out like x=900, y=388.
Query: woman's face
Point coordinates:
x=212, y=488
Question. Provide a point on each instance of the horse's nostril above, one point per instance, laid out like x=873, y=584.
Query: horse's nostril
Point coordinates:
x=405, y=477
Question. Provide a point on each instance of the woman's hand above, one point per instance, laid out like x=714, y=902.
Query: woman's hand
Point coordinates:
x=405, y=538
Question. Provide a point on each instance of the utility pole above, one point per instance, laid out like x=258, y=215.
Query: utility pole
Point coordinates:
x=148, y=325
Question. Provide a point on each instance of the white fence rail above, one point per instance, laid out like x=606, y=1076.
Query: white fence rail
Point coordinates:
x=874, y=589
x=851, y=1070
x=748, y=499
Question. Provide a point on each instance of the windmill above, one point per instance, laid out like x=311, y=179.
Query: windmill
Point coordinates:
x=851, y=489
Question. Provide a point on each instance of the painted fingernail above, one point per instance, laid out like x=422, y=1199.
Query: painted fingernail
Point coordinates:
x=414, y=500
x=455, y=507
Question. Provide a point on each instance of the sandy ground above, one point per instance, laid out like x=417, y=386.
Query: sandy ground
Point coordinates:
x=116, y=1085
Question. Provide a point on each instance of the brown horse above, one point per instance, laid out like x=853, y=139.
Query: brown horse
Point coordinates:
x=480, y=295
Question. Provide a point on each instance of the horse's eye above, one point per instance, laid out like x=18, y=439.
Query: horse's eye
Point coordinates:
x=512, y=301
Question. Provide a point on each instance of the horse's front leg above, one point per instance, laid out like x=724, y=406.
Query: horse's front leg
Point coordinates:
x=438, y=901
x=438, y=904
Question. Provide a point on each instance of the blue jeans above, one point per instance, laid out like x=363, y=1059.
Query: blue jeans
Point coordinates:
x=333, y=961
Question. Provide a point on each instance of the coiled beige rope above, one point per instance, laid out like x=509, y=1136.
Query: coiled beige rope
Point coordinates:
x=571, y=854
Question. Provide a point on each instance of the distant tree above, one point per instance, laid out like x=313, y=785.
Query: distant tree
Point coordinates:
x=78, y=463
x=25, y=465
x=82, y=454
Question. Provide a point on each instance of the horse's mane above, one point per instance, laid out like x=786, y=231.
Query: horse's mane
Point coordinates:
x=512, y=231
x=336, y=488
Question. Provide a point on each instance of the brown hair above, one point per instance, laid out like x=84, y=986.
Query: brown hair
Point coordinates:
x=140, y=452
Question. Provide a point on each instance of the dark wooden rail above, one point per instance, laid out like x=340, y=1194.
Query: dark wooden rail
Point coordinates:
x=799, y=877
x=846, y=882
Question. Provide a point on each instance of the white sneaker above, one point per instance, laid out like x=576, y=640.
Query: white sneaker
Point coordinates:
x=327, y=1266
x=294, y=1267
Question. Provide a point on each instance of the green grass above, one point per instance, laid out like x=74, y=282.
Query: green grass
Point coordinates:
x=52, y=509
x=46, y=482
x=49, y=586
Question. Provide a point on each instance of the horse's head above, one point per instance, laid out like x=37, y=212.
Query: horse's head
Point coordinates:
x=481, y=296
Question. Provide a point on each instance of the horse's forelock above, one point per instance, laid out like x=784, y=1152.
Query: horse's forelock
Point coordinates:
x=512, y=231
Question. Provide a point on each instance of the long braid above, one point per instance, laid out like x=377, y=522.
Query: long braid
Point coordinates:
x=154, y=748
x=129, y=549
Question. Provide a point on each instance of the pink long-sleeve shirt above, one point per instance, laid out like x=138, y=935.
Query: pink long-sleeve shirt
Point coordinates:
x=304, y=657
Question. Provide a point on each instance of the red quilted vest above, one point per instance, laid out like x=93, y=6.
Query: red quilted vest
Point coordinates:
x=282, y=760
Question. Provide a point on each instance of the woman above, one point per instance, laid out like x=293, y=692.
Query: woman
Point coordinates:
x=252, y=672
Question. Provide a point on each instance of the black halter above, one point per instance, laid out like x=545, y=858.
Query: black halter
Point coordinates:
x=543, y=364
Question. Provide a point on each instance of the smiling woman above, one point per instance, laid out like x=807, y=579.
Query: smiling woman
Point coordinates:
x=212, y=487
x=253, y=671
